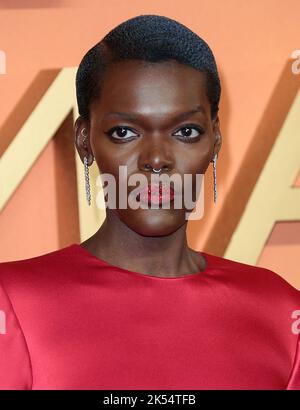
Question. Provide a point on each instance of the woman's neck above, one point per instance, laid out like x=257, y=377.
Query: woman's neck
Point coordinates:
x=168, y=255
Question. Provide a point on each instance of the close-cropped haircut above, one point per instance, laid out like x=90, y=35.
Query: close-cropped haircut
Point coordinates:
x=151, y=38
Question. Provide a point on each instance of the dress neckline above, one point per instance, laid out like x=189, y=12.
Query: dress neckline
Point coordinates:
x=86, y=252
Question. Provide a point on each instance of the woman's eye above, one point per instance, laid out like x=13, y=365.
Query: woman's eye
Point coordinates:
x=121, y=133
x=189, y=132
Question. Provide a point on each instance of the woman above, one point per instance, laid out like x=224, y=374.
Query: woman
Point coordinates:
x=133, y=307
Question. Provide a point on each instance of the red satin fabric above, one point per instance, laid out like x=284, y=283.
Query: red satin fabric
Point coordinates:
x=74, y=321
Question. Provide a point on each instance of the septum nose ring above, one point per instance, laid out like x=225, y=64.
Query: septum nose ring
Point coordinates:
x=156, y=170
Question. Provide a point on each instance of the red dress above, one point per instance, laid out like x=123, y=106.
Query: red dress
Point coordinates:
x=73, y=321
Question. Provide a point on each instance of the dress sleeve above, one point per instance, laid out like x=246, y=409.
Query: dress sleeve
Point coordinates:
x=294, y=379
x=15, y=365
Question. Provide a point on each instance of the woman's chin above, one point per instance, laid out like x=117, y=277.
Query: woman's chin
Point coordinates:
x=153, y=222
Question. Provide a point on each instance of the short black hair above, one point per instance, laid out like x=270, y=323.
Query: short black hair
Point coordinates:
x=151, y=38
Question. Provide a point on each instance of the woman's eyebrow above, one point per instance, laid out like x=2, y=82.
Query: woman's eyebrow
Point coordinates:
x=179, y=117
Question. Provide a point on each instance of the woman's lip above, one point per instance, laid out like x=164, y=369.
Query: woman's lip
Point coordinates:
x=156, y=194
x=155, y=199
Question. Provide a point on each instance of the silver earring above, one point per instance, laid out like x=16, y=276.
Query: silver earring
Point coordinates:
x=215, y=177
x=86, y=172
x=87, y=181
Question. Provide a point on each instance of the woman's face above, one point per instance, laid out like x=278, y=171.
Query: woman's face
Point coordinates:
x=139, y=121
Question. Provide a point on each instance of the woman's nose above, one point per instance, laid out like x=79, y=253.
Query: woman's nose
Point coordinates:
x=156, y=156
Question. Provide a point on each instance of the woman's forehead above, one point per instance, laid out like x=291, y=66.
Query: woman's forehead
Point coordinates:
x=153, y=89
x=145, y=75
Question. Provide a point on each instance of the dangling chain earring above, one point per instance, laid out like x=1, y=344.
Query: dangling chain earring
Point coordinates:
x=215, y=177
x=86, y=172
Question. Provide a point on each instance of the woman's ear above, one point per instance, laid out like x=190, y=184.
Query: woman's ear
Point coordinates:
x=82, y=139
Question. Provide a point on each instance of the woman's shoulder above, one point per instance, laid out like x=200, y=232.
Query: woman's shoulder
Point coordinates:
x=38, y=265
x=251, y=276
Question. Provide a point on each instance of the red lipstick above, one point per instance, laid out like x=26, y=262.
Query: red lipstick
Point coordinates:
x=156, y=194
